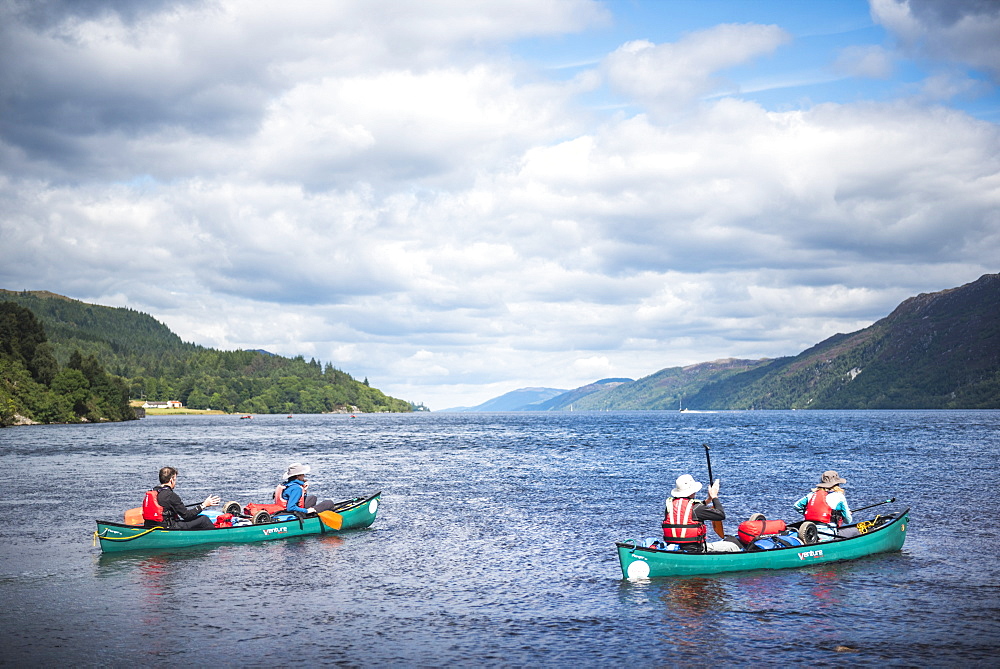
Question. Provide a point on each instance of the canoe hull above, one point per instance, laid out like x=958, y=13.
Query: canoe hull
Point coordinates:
x=117, y=537
x=639, y=562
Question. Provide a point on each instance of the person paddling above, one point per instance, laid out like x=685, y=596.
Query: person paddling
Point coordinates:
x=293, y=492
x=826, y=506
x=684, y=518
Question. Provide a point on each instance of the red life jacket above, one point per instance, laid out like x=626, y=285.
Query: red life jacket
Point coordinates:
x=151, y=509
x=679, y=525
x=817, y=509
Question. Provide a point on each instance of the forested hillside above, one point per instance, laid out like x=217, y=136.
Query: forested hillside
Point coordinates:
x=125, y=341
x=35, y=388
x=157, y=365
x=935, y=351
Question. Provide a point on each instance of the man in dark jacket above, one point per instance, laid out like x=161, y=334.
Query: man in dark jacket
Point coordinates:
x=176, y=516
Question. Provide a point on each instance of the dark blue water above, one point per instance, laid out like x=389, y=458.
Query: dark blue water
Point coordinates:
x=494, y=544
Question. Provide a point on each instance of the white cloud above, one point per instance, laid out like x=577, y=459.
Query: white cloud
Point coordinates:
x=668, y=77
x=382, y=186
x=964, y=31
x=865, y=61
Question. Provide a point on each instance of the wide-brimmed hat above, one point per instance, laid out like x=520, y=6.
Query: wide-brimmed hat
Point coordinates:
x=686, y=486
x=830, y=479
x=295, y=469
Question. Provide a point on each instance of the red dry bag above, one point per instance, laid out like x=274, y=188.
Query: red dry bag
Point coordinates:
x=752, y=529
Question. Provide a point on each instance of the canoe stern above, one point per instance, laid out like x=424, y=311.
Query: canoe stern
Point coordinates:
x=362, y=514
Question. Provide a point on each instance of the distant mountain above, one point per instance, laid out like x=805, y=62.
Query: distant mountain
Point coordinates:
x=515, y=400
x=667, y=388
x=663, y=390
x=34, y=388
x=578, y=398
x=935, y=351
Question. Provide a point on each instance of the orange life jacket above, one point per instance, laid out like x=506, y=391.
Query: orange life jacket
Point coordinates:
x=679, y=525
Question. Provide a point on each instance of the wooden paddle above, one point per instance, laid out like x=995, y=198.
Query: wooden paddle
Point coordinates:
x=716, y=524
x=332, y=519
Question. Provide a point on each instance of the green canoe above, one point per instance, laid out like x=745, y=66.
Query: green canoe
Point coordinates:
x=639, y=562
x=354, y=514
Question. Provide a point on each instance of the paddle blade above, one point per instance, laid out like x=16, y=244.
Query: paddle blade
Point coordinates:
x=717, y=525
x=332, y=519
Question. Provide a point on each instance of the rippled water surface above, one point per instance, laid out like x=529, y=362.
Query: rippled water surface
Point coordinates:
x=494, y=544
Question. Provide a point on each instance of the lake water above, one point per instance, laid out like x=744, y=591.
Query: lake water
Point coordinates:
x=494, y=544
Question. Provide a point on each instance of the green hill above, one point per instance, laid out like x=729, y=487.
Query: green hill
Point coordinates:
x=157, y=365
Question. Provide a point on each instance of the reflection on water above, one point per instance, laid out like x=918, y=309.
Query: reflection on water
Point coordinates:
x=694, y=596
x=153, y=571
x=824, y=587
x=690, y=608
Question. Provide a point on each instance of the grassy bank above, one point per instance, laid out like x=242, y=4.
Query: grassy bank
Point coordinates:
x=177, y=412
x=185, y=412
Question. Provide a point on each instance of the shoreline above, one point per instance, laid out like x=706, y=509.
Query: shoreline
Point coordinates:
x=187, y=412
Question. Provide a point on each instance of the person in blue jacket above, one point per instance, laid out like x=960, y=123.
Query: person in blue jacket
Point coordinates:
x=295, y=492
x=827, y=506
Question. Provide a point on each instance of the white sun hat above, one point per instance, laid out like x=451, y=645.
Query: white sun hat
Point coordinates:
x=686, y=486
x=295, y=469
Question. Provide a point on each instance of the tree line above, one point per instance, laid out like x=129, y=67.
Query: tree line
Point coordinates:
x=256, y=382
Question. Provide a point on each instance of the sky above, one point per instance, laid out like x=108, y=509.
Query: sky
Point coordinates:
x=455, y=200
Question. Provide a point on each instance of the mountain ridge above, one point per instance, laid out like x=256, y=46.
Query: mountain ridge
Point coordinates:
x=938, y=350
